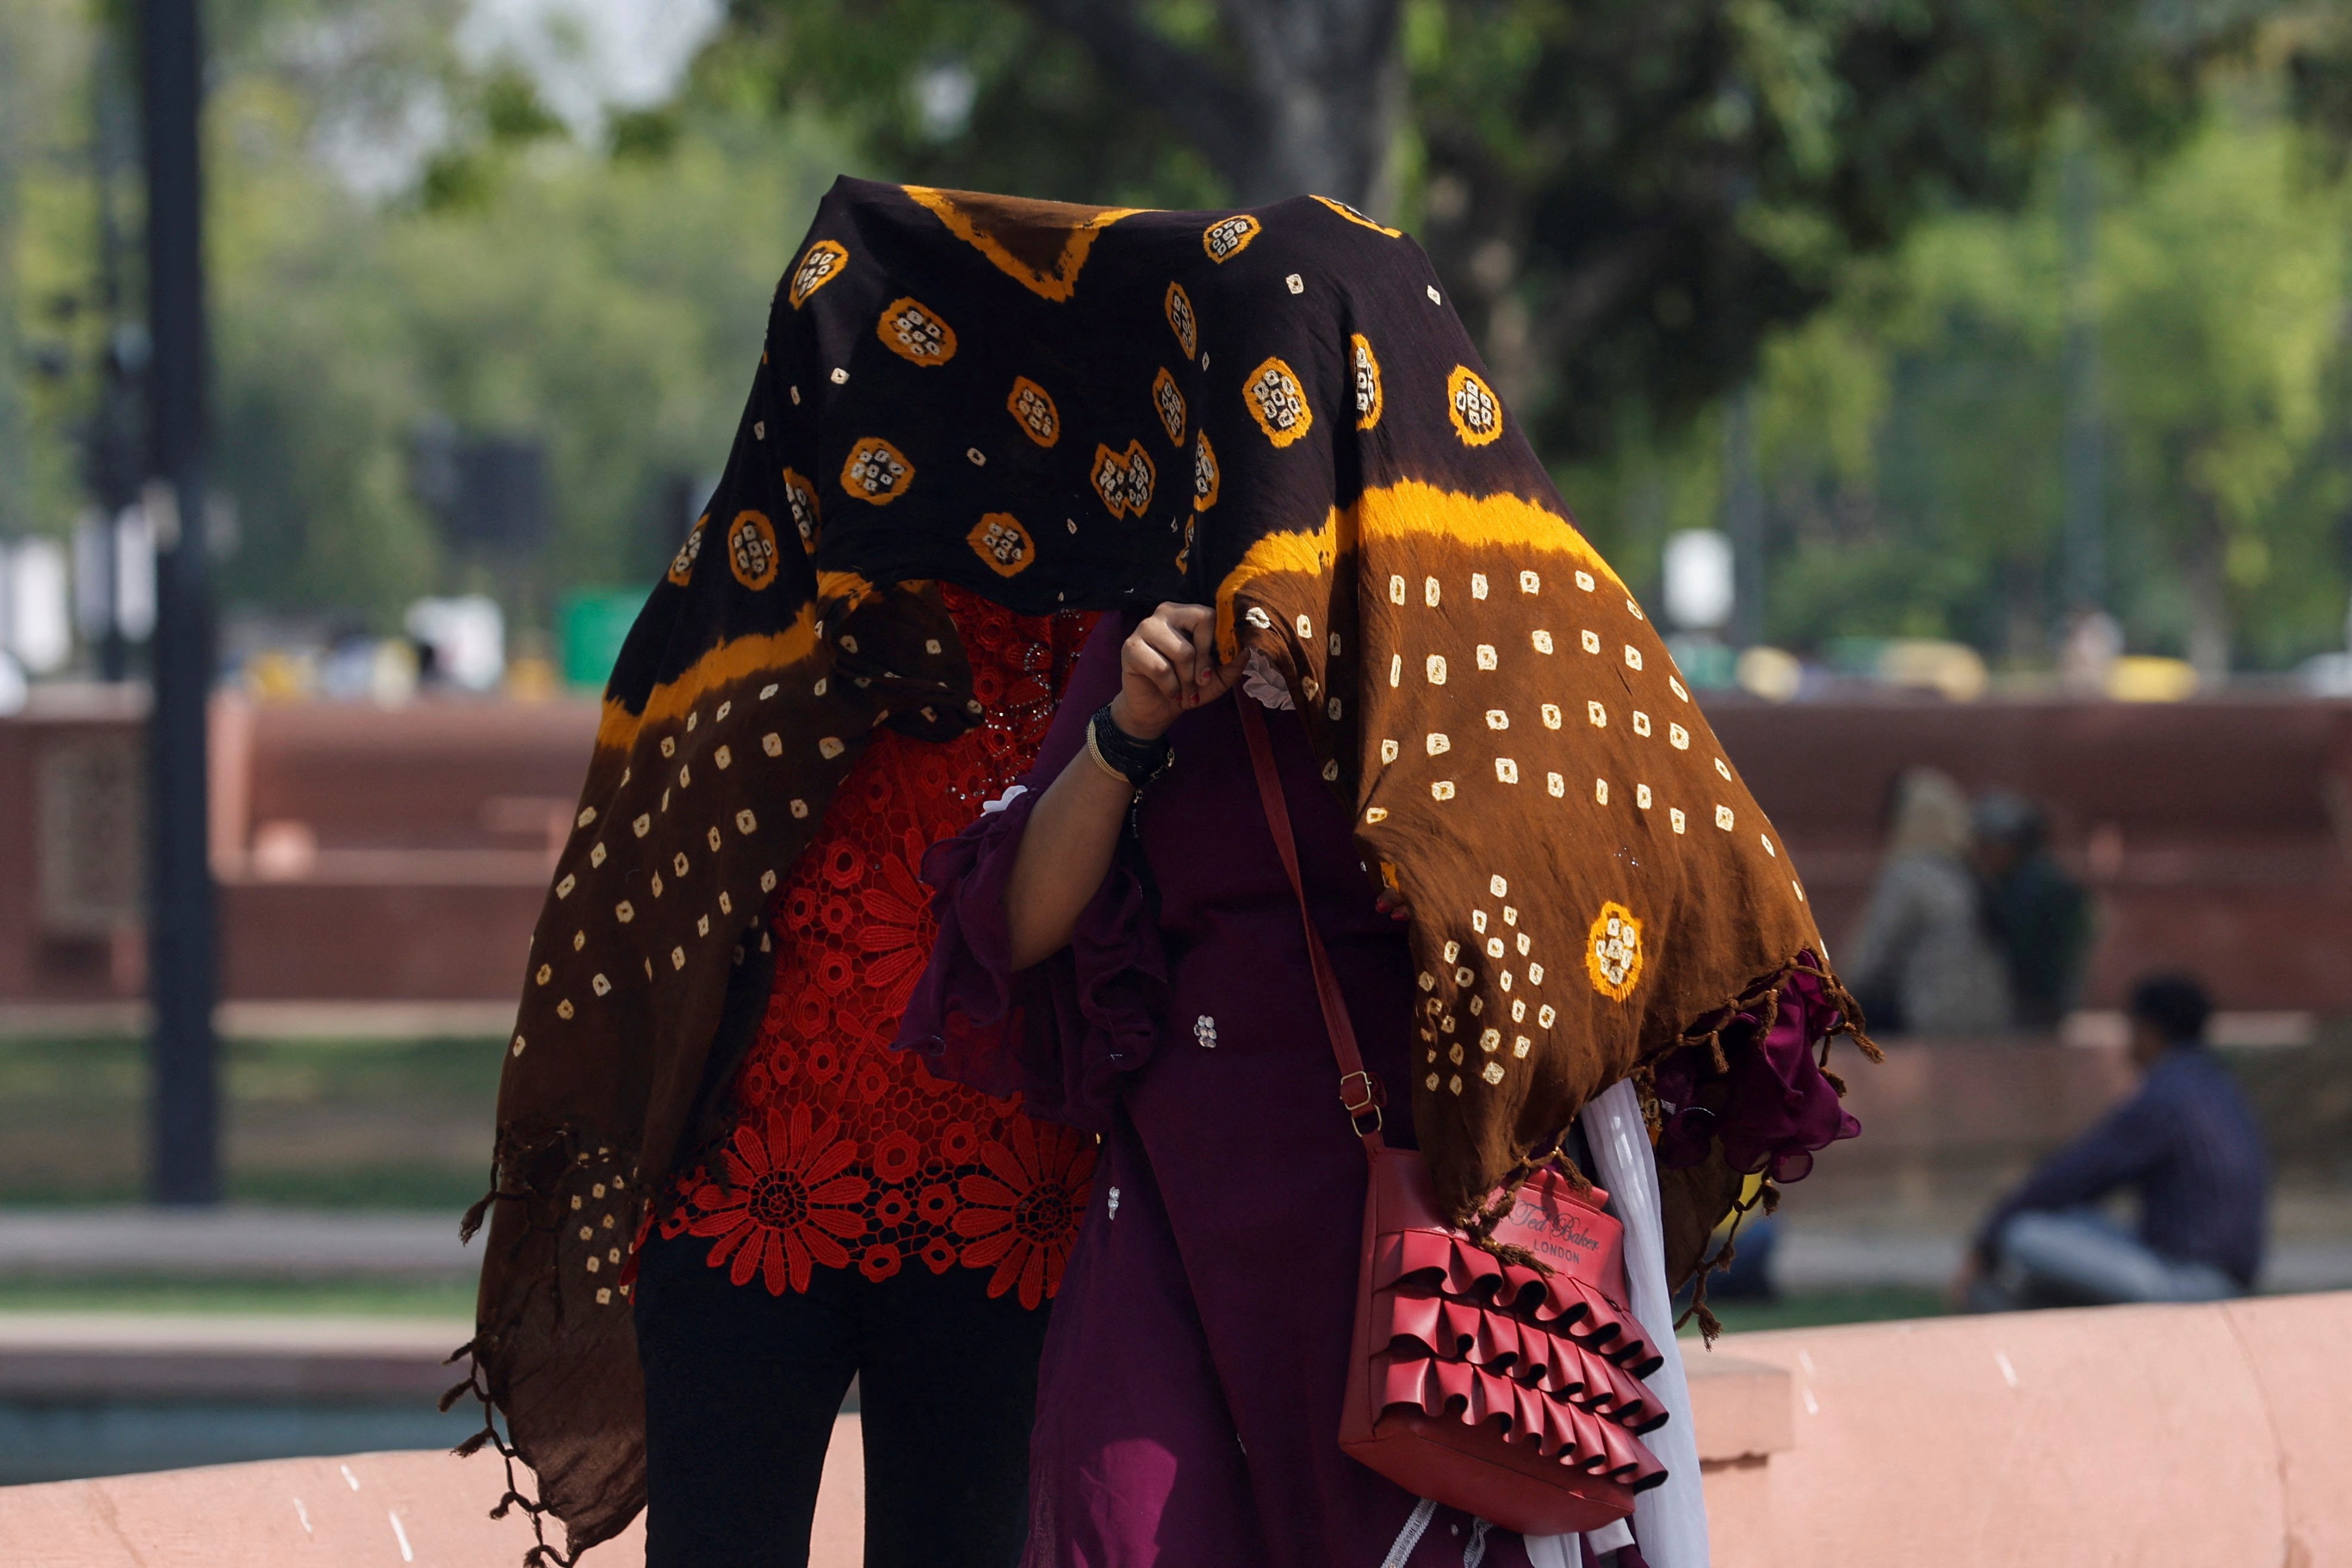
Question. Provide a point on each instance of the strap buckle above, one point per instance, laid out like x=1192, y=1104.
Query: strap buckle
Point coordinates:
x=1361, y=1102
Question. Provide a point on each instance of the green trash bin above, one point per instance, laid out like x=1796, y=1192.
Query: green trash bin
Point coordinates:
x=593, y=623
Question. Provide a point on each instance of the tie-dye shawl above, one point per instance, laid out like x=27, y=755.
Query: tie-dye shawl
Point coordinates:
x=1274, y=411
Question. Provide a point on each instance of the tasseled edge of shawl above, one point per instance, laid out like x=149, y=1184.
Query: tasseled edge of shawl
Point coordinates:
x=542, y=1554
x=514, y=1156
x=1755, y=1006
x=1759, y=1002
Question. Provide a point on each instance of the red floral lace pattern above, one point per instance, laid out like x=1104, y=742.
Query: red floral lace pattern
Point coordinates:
x=845, y=1151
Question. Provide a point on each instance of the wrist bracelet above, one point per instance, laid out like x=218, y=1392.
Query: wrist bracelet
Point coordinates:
x=1093, y=756
x=1121, y=755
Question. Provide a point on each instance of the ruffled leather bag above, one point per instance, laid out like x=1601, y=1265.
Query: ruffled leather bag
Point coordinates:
x=1510, y=1390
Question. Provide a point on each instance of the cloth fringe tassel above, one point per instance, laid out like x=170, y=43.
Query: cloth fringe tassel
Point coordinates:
x=1765, y=992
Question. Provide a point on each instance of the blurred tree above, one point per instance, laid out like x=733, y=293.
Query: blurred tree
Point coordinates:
x=1642, y=191
x=498, y=274
x=51, y=332
x=2223, y=320
x=1912, y=437
x=400, y=235
x=1626, y=195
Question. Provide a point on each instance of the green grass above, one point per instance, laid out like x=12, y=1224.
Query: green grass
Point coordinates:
x=332, y=1124
x=452, y=1298
x=1823, y=1309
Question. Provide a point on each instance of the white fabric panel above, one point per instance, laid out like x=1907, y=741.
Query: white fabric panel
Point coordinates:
x=1612, y=1537
x=1555, y=1551
x=1669, y=1520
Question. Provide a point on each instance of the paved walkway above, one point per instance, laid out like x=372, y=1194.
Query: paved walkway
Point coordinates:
x=486, y=1020
x=1815, y=1258
x=232, y=1243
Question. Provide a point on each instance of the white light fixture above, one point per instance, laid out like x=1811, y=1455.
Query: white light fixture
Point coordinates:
x=1699, y=582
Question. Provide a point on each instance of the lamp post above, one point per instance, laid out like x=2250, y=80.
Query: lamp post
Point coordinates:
x=184, y=1164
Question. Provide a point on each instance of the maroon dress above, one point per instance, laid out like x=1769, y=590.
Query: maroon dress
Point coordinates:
x=1189, y=1401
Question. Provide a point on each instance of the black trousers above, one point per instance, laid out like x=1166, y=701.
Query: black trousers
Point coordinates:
x=741, y=1388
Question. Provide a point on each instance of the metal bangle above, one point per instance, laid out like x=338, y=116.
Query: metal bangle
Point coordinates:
x=1105, y=763
x=1137, y=760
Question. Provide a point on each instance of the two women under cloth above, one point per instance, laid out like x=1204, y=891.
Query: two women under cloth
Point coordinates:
x=1187, y=1399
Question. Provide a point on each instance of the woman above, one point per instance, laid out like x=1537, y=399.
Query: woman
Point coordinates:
x=1271, y=420
x=1923, y=955
x=1214, y=1380
x=896, y=1260
x=1191, y=1395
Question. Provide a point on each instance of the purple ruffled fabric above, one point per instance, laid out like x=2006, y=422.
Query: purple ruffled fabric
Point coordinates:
x=1775, y=1106
x=1059, y=1035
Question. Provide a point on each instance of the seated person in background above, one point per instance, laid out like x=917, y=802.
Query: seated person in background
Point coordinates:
x=2039, y=915
x=1921, y=961
x=2186, y=1139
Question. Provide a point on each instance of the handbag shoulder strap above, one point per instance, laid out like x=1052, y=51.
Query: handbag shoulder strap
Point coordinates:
x=1360, y=1093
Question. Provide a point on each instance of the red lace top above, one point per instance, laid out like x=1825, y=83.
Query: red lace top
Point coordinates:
x=843, y=1150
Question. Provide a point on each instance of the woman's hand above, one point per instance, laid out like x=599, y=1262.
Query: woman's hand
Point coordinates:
x=1168, y=667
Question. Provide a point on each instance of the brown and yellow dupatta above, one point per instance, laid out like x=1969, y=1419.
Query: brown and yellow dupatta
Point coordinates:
x=1068, y=407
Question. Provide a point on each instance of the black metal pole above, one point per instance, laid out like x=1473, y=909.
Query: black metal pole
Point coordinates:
x=185, y=1157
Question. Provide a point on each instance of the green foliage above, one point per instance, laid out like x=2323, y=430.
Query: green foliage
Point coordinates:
x=1910, y=436
x=50, y=337
x=1627, y=197
x=610, y=303
x=2225, y=293
x=397, y=1124
x=1640, y=204
x=1045, y=119
x=1718, y=166
x=611, y=307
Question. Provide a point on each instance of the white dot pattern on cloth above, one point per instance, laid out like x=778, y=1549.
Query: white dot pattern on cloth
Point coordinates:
x=1454, y=622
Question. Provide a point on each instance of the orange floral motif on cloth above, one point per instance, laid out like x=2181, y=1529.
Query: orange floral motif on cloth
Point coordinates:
x=843, y=1152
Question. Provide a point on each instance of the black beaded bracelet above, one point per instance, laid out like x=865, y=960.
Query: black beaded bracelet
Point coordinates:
x=1137, y=761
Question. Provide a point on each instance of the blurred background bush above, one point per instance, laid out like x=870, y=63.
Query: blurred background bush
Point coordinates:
x=1961, y=316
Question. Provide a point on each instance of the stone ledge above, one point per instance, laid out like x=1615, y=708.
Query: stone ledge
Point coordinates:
x=2218, y=1434
x=233, y=1241
x=126, y=1357
x=1743, y=1409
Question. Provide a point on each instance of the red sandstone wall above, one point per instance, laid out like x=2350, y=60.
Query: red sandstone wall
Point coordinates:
x=2217, y=835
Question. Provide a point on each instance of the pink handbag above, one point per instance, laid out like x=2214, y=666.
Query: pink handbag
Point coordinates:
x=1508, y=1392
